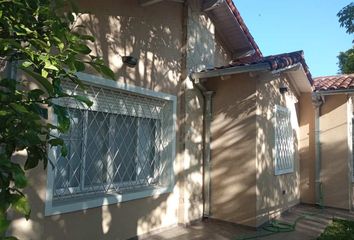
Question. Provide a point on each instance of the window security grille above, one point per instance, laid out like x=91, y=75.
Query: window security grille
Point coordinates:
x=122, y=143
x=284, y=147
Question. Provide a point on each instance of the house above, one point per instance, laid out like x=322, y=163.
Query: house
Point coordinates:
x=327, y=142
x=202, y=126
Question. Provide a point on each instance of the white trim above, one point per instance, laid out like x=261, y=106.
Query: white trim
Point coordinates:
x=350, y=137
x=106, y=199
x=111, y=198
x=350, y=149
x=276, y=170
x=100, y=81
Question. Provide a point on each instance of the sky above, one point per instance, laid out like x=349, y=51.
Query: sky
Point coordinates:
x=280, y=26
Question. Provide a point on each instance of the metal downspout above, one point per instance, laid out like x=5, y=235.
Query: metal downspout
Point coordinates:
x=318, y=184
x=206, y=163
x=207, y=116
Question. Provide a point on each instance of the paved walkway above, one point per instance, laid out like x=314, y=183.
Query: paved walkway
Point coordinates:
x=306, y=228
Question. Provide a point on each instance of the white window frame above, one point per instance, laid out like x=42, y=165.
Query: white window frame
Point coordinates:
x=111, y=198
x=278, y=171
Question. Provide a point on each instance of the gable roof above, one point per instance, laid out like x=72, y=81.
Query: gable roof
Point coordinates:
x=244, y=28
x=271, y=63
x=231, y=28
x=337, y=82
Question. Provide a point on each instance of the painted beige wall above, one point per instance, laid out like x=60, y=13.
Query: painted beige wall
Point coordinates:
x=334, y=151
x=202, y=50
x=275, y=193
x=233, y=149
x=155, y=35
x=307, y=149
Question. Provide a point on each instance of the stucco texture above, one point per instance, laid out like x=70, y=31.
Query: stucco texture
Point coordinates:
x=120, y=29
x=334, y=152
x=307, y=149
x=244, y=187
x=334, y=155
x=275, y=193
x=166, y=38
x=233, y=149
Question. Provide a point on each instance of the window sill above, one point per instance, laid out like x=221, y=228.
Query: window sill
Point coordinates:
x=86, y=202
x=279, y=173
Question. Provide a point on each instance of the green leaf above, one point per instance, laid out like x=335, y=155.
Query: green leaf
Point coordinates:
x=79, y=66
x=83, y=99
x=33, y=157
x=21, y=205
x=49, y=65
x=61, y=46
x=107, y=71
x=35, y=93
x=81, y=48
x=19, y=176
x=41, y=80
x=18, y=108
x=63, y=118
x=4, y=223
x=26, y=64
x=4, y=113
x=64, y=150
x=56, y=142
x=44, y=73
x=87, y=37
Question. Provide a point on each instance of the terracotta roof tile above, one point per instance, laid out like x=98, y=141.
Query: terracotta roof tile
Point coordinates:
x=344, y=81
x=275, y=62
x=244, y=28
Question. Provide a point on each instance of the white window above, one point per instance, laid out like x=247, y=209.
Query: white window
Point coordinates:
x=284, y=145
x=119, y=149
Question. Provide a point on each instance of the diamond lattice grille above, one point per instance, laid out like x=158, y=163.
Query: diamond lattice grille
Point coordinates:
x=121, y=143
x=284, y=149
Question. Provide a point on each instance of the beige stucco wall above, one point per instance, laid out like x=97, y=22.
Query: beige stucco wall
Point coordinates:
x=334, y=151
x=170, y=40
x=275, y=193
x=244, y=187
x=154, y=36
x=233, y=149
x=307, y=149
x=202, y=50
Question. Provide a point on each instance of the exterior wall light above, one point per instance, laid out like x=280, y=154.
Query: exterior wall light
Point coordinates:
x=283, y=89
x=130, y=61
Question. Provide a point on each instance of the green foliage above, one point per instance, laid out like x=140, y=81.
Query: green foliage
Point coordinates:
x=339, y=229
x=346, y=61
x=346, y=18
x=37, y=35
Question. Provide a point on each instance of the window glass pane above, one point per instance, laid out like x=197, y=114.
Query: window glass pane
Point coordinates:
x=97, y=146
x=67, y=174
x=124, y=148
x=146, y=150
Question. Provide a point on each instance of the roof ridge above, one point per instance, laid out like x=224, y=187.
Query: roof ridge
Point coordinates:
x=337, y=75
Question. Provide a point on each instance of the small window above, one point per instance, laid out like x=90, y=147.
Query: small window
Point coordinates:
x=284, y=145
x=121, y=148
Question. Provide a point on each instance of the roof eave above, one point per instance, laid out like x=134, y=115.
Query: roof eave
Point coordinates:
x=231, y=28
x=231, y=71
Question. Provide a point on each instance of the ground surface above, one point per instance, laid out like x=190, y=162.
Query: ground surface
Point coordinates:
x=309, y=227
